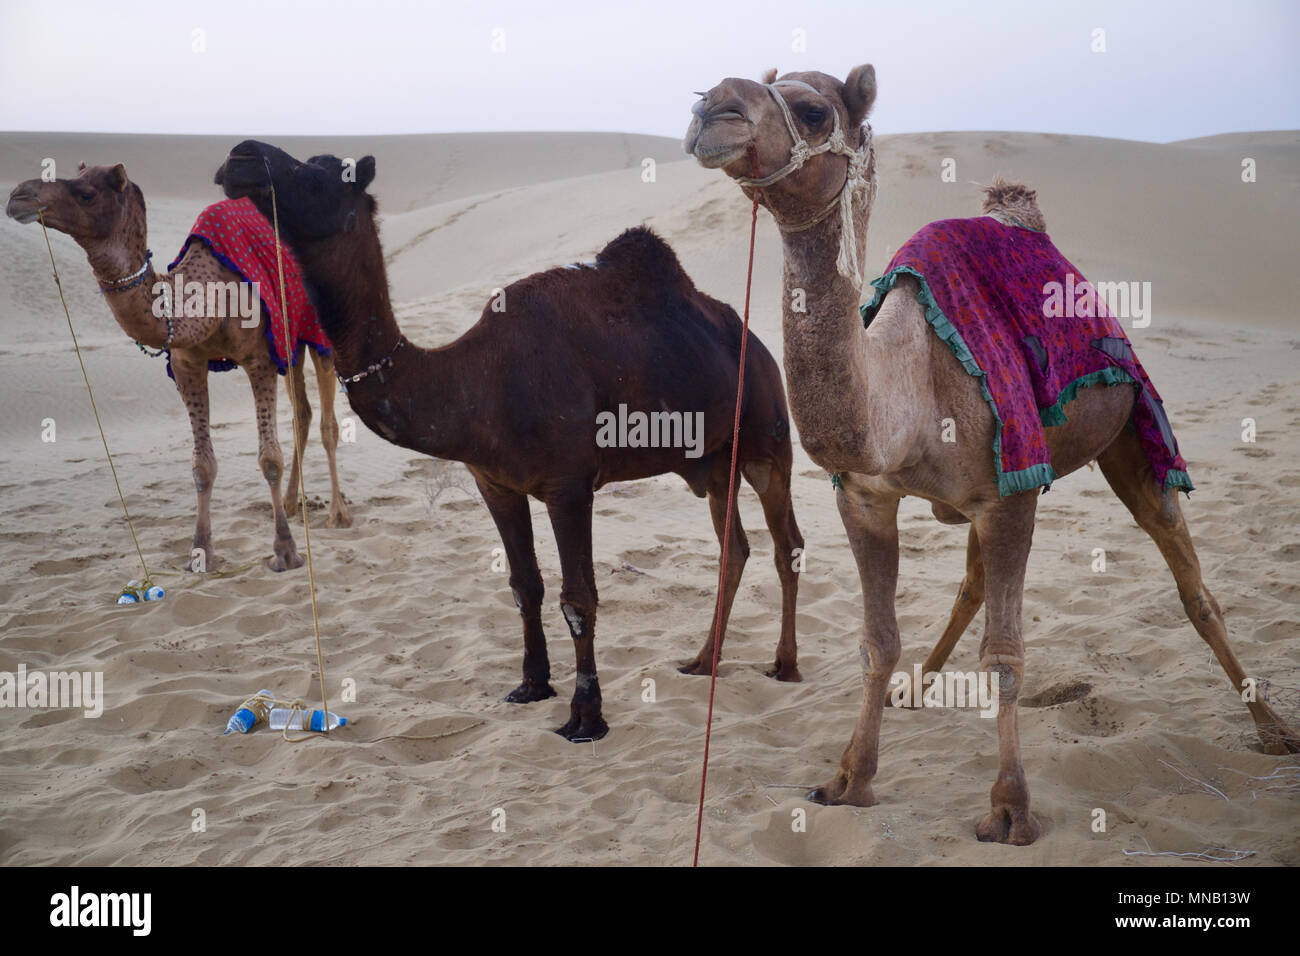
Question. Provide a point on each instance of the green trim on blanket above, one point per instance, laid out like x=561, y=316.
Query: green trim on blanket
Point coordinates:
x=1035, y=475
x=1110, y=375
x=1008, y=482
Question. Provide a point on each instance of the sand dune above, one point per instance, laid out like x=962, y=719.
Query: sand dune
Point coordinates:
x=1116, y=681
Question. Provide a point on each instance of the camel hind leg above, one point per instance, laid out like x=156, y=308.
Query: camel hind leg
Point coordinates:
x=772, y=482
x=1157, y=512
x=270, y=459
x=737, y=551
x=970, y=598
x=339, y=516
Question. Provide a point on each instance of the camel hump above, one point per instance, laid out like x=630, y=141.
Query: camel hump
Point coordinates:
x=1013, y=200
x=645, y=255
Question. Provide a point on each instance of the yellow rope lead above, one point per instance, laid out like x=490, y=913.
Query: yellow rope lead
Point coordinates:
x=298, y=454
x=148, y=582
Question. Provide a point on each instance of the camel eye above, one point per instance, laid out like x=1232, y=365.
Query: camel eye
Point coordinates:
x=812, y=115
x=85, y=197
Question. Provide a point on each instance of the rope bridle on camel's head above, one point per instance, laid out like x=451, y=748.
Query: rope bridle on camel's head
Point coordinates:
x=860, y=175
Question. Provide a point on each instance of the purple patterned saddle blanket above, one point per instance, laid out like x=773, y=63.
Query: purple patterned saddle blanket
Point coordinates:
x=1023, y=321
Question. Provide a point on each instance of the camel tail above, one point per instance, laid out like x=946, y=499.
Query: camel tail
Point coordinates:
x=1015, y=200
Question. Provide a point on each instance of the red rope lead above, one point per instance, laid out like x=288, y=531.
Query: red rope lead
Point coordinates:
x=731, y=502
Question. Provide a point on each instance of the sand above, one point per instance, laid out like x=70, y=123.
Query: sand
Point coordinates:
x=1119, y=689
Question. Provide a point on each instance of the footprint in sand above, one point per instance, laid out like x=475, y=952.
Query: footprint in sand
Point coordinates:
x=1064, y=693
x=66, y=565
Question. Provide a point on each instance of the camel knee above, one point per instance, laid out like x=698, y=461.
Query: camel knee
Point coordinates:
x=579, y=618
x=1161, y=517
x=302, y=421
x=788, y=565
x=272, y=466
x=1009, y=670
x=528, y=593
x=205, y=474
x=880, y=654
x=329, y=431
x=1200, y=606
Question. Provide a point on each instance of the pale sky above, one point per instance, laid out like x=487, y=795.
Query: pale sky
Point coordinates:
x=1170, y=70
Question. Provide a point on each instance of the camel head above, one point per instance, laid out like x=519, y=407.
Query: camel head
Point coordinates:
x=740, y=127
x=315, y=200
x=97, y=204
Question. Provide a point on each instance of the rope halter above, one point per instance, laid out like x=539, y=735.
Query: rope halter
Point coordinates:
x=861, y=174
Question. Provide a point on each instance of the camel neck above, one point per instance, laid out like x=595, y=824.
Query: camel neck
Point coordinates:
x=411, y=396
x=825, y=344
x=139, y=312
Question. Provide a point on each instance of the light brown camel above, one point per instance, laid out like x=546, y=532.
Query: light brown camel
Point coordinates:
x=105, y=213
x=867, y=404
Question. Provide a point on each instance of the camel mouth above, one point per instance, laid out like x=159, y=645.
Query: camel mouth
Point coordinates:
x=715, y=157
x=24, y=209
x=239, y=179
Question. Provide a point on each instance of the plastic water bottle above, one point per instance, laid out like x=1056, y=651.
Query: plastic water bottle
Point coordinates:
x=281, y=719
x=249, y=713
x=136, y=591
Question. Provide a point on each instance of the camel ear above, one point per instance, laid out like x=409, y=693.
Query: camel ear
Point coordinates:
x=860, y=92
x=769, y=77
x=365, y=172
x=117, y=177
x=81, y=166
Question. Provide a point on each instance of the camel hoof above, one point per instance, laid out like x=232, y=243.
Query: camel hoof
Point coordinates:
x=788, y=674
x=837, y=793
x=1011, y=825
x=284, y=561
x=1277, y=738
x=1281, y=746
x=697, y=667
x=577, y=732
x=527, y=693
x=339, y=519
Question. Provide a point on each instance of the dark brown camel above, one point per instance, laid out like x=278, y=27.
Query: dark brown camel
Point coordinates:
x=517, y=396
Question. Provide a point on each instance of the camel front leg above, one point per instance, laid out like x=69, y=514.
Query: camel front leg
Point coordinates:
x=787, y=546
x=570, y=511
x=872, y=525
x=262, y=376
x=1006, y=531
x=509, y=510
x=191, y=373
x=339, y=516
